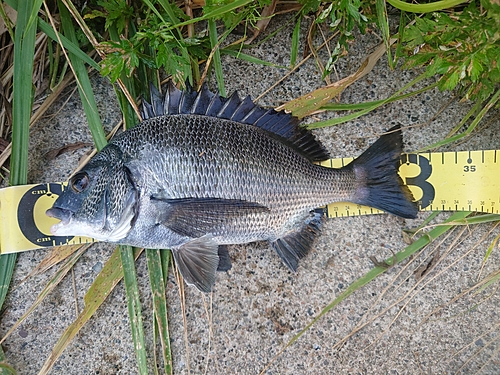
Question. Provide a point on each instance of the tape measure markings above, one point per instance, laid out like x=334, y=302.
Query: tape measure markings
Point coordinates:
x=448, y=181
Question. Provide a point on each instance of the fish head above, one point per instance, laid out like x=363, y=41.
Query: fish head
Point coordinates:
x=101, y=201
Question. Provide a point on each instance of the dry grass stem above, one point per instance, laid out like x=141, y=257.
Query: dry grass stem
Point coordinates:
x=302, y=62
x=182, y=298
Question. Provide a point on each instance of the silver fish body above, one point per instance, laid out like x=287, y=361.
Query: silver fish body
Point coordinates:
x=207, y=158
x=202, y=172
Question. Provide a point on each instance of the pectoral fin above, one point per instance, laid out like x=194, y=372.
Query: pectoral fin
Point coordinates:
x=196, y=217
x=198, y=261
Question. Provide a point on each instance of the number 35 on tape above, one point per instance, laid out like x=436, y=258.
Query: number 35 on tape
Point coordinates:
x=449, y=181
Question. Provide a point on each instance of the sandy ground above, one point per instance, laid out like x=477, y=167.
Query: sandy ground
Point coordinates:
x=258, y=306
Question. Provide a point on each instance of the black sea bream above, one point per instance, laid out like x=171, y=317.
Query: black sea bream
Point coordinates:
x=201, y=172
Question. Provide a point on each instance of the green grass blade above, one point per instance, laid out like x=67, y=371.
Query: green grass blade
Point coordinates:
x=7, y=263
x=226, y=8
x=100, y=289
x=340, y=120
x=12, y=3
x=49, y=31
x=476, y=108
x=375, y=272
x=24, y=50
x=378, y=270
x=33, y=17
x=251, y=59
x=491, y=279
x=128, y=113
x=400, y=36
x=491, y=103
x=357, y=106
x=5, y=369
x=479, y=219
x=157, y=278
x=309, y=103
x=383, y=24
x=134, y=307
x=7, y=21
x=427, y=221
x=214, y=42
x=294, y=51
x=216, y=13
x=165, y=263
x=83, y=82
x=171, y=14
x=490, y=249
x=70, y=46
x=425, y=8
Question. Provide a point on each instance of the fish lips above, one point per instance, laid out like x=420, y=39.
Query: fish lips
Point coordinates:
x=60, y=214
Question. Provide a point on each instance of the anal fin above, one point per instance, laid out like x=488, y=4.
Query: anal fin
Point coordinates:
x=297, y=243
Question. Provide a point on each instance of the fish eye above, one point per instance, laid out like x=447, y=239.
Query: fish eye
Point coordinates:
x=79, y=182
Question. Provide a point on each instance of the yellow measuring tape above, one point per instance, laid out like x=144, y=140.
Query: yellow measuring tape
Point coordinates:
x=448, y=181
x=23, y=223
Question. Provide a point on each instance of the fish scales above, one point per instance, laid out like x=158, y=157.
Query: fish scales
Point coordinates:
x=207, y=157
x=201, y=172
x=202, y=157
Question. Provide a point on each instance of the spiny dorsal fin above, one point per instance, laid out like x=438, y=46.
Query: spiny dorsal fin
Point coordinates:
x=206, y=103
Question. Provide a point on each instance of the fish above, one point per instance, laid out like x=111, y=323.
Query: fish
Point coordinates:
x=201, y=172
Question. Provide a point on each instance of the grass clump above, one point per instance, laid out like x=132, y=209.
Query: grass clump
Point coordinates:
x=463, y=47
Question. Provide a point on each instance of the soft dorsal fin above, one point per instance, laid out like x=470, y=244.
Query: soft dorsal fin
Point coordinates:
x=206, y=103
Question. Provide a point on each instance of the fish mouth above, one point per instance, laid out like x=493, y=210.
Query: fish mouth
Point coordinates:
x=60, y=214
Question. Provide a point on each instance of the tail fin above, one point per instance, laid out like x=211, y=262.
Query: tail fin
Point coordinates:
x=378, y=168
